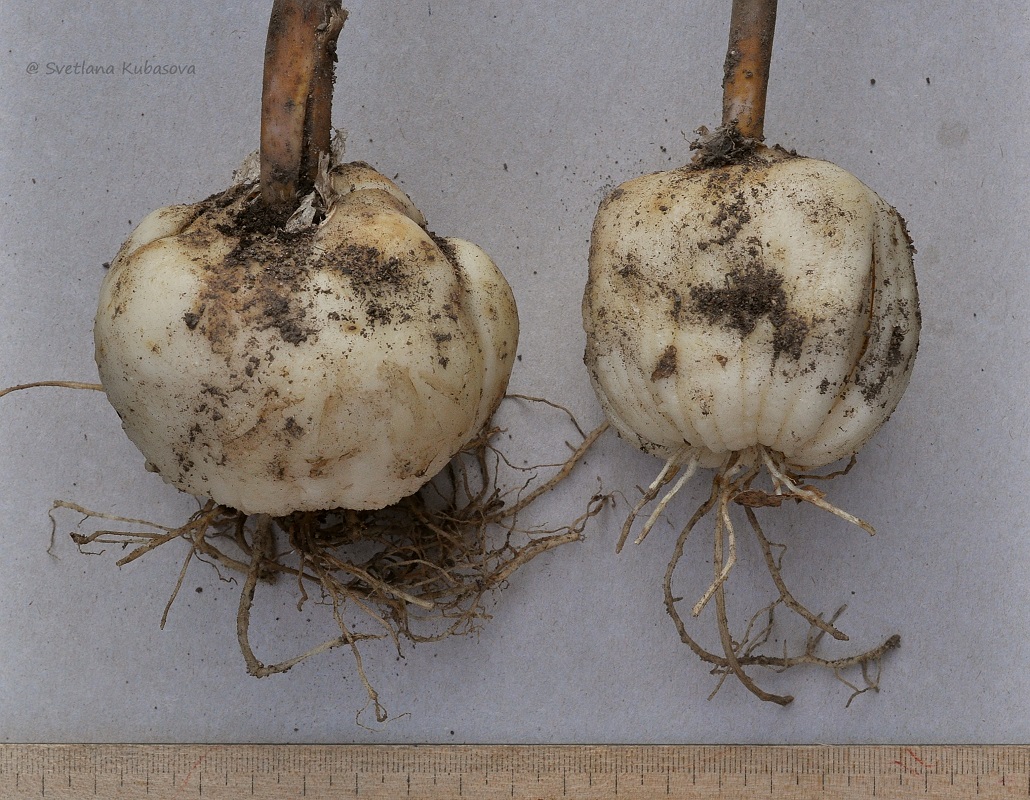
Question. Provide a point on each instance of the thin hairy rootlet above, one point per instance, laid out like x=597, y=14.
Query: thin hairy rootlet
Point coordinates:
x=733, y=484
x=417, y=571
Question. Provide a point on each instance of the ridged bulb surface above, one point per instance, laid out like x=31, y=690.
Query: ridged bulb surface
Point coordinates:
x=338, y=365
x=770, y=302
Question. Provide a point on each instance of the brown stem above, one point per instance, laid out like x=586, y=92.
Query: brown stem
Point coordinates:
x=746, y=72
x=296, y=95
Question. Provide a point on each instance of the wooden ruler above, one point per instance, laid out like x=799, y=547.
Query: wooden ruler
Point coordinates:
x=547, y=772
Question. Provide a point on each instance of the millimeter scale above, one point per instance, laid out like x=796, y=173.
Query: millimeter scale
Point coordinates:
x=540, y=772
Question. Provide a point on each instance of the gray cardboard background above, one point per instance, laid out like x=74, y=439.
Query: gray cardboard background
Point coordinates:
x=507, y=123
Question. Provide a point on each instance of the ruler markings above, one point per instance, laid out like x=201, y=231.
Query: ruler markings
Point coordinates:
x=431, y=771
x=276, y=759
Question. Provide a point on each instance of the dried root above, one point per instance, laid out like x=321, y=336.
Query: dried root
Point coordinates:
x=733, y=485
x=418, y=571
x=94, y=387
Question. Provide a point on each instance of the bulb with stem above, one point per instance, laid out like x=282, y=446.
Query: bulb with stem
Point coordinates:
x=754, y=312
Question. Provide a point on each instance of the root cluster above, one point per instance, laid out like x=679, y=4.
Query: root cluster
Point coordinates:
x=418, y=571
x=733, y=484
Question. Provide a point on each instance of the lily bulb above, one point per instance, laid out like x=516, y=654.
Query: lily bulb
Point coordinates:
x=766, y=305
x=337, y=362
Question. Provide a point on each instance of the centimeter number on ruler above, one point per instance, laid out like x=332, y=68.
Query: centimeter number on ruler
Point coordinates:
x=545, y=772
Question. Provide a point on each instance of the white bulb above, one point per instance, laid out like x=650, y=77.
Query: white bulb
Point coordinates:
x=333, y=366
x=768, y=303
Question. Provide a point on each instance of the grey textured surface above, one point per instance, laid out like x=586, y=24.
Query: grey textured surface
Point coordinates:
x=507, y=124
